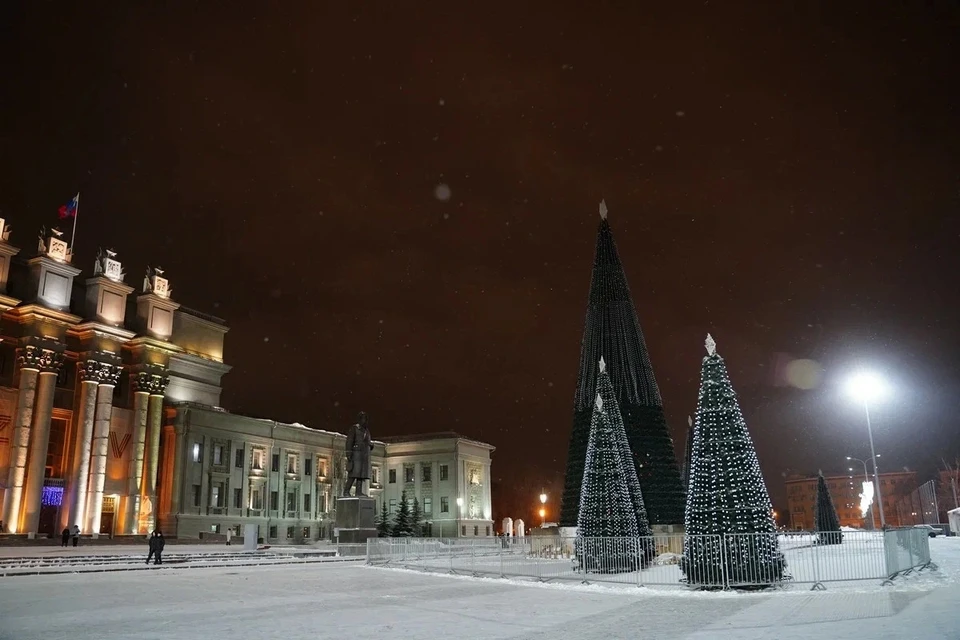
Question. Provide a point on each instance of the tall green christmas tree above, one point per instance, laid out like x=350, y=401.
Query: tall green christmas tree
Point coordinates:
x=401, y=522
x=827, y=522
x=607, y=533
x=612, y=331
x=610, y=407
x=383, y=521
x=727, y=494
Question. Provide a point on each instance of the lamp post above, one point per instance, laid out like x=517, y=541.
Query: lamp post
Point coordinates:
x=866, y=387
x=543, y=511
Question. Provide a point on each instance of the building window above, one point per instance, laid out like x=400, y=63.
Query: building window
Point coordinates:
x=488, y=530
x=306, y=533
x=256, y=499
x=291, y=463
x=444, y=473
x=238, y=530
x=476, y=530
x=257, y=459
x=216, y=492
x=217, y=454
x=274, y=500
x=426, y=472
x=291, y=501
x=375, y=475
x=323, y=503
x=427, y=506
x=463, y=530
x=474, y=476
x=196, y=495
x=307, y=466
x=237, y=498
x=322, y=467
x=275, y=462
x=238, y=459
x=306, y=502
x=289, y=532
x=196, y=452
x=214, y=528
x=393, y=506
x=273, y=531
x=393, y=476
x=444, y=504
x=408, y=473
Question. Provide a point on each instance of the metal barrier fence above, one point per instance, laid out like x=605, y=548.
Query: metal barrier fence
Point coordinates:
x=677, y=560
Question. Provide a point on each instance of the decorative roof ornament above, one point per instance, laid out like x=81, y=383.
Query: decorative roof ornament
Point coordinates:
x=153, y=282
x=603, y=209
x=711, y=345
x=4, y=230
x=105, y=265
x=51, y=246
x=603, y=365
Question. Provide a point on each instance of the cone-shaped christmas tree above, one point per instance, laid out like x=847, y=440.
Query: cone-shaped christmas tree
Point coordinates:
x=687, y=451
x=610, y=407
x=727, y=497
x=827, y=522
x=401, y=522
x=612, y=332
x=607, y=524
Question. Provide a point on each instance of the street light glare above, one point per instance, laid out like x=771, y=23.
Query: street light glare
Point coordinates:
x=866, y=386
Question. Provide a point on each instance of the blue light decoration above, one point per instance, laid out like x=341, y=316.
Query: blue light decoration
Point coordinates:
x=51, y=497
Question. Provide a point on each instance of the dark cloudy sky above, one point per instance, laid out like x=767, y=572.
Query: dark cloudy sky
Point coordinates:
x=784, y=178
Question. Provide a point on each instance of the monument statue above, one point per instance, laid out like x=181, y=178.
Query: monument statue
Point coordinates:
x=359, y=446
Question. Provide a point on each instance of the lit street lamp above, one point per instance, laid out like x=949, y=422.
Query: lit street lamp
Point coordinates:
x=543, y=511
x=866, y=387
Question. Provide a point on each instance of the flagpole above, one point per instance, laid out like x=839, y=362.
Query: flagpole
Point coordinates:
x=76, y=214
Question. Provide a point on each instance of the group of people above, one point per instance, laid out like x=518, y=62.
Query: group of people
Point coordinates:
x=67, y=534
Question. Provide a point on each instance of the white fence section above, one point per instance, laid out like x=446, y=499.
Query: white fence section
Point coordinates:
x=668, y=560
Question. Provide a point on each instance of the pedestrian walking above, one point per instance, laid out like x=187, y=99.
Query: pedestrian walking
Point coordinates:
x=156, y=548
x=76, y=534
x=65, y=536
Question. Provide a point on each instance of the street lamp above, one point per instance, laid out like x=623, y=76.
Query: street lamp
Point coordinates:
x=867, y=387
x=543, y=511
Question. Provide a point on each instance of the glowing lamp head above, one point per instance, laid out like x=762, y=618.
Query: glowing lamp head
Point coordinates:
x=867, y=387
x=543, y=498
x=543, y=513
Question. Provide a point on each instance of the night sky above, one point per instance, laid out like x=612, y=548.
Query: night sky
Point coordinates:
x=396, y=209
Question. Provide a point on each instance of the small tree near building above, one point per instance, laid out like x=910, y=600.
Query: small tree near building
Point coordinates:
x=401, y=522
x=383, y=521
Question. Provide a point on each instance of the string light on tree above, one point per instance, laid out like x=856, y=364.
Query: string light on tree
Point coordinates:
x=727, y=494
x=606, y=515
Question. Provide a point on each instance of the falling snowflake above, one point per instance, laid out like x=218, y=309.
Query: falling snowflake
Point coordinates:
x=442, y=192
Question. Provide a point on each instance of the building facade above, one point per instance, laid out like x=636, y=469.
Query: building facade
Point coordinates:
x=110, y=420
x=845, y=491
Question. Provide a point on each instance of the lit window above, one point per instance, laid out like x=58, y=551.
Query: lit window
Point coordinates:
x=196, y=452
x=291, y=463
x=217, y=454
x=258, y=459
x=427, y=506
x=375, y=475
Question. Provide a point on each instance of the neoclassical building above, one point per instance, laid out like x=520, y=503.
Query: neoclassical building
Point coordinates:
x=110, y=420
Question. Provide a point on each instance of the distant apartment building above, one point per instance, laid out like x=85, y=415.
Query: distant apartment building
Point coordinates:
x=845, y=491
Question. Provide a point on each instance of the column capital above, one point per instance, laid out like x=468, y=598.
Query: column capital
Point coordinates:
x=96, y=370
x=149, y=378
x=46, y=356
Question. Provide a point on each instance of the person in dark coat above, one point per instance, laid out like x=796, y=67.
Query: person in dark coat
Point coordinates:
x=156, y=547
x=359, y=446
x=65, y=536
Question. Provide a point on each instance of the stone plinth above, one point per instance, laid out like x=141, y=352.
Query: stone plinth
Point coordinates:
x=355, y=520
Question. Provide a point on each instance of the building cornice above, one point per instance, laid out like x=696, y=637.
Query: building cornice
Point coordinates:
x=27, y=313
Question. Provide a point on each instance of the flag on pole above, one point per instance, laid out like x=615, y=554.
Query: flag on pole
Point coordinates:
x=69, y=210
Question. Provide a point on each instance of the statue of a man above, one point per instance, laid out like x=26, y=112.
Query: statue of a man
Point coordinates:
x=359, y=446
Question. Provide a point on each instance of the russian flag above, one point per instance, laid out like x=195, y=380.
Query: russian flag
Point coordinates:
x=69, y=210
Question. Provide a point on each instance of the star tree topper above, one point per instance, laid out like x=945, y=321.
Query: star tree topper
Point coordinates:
x=603, y=209
x=711, y=345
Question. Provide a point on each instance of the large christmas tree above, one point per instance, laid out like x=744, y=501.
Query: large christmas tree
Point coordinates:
x=727, y=496
x=607, y=536
x=687, y=452
x=610, y=407
x=612, y=331
x=826, y=520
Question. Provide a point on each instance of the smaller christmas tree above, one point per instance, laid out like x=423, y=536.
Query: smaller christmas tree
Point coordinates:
x=383, y=521
x=401, y=522
x=827, y=522
x=416, y=520
x=607, y=538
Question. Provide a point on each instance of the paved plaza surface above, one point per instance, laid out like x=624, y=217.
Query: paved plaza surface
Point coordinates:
x=350, y=600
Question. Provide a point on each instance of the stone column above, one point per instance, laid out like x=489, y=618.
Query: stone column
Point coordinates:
x=13, y=496
x=50, y=362
x=176, y=486
x=108, y=376
x=129, y=515
x=152, y=381
x=76, y=498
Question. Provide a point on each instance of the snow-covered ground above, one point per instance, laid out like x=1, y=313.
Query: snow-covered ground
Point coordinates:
x=352, y=601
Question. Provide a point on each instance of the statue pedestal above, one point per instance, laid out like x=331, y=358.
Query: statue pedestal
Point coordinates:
x=356, y=520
